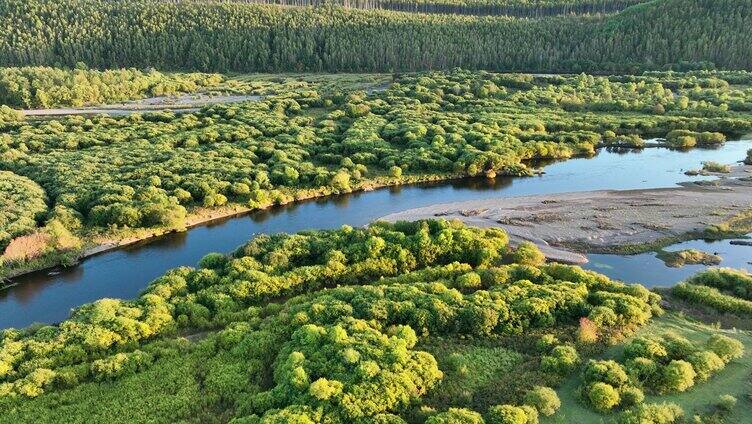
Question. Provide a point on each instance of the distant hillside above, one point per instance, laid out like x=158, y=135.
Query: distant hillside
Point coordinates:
x=518, y=8
x=212, y=36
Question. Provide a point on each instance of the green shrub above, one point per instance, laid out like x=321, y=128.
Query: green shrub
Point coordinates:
x=506, y=414
x=725, y=347
x=527, y=253
x=677, y=376
x=652, y=413
x=602, y=396
x=711, y=166
x=726, y=402
x=456, y=416
x=706, y=363
x=543, y=399
x=631, y=396
x=562, y=360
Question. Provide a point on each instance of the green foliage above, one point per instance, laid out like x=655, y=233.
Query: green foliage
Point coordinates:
x=728, y=280
x=22, y=205
x=603, y=397
x=684, y=139
x=725, y=347
x=328, y=353
x=652, y=413
x=711, y=166
x=543, y=399
x=527, y=253
x=456, y=416
x=44, y=87
x=726, y=402
x=677, y=376
x=561, y=360
x=231, y=36
x=666, y=364
x=114, y=174
x=680, y=258
x=712, y=297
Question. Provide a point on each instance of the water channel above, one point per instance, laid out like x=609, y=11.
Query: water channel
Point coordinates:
x=46, y=297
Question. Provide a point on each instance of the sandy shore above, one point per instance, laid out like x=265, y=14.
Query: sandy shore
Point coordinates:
x=599, y=221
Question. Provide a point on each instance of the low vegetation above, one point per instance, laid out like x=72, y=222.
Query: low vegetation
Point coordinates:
x=360, y=304
x=724, y=290
x=667, y=364
x=716, y=167
x=678, y=259
x=22, y=205
x=118, y=177
x=44, y=87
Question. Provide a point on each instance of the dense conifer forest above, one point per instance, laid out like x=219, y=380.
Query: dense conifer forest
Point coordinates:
x=520, y=8
x=223, y=37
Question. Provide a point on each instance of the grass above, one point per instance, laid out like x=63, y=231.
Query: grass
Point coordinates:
x=688, y=256
x=168, y=391
x=711, y=166
x=472, y=371
x=734, y=379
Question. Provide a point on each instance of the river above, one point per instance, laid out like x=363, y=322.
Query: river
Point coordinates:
x=41, y=297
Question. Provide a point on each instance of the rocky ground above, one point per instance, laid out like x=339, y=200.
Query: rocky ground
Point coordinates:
x=598, y=221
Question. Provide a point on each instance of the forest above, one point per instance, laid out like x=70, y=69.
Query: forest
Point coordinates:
x=116, y=175
x=519, y=8
x=213, y=36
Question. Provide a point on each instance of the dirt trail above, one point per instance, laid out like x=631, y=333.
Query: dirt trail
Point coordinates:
x=602, y=220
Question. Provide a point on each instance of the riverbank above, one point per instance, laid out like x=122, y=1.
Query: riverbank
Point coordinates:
x=610, y=221
x=97, y=245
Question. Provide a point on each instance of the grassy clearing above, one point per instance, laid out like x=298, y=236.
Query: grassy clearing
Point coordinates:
x=734, y=379
x=472, y=371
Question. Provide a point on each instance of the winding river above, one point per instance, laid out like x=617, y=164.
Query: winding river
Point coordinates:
x=45, y=297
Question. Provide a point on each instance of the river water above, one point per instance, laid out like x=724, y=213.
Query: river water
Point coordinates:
x=41, y=297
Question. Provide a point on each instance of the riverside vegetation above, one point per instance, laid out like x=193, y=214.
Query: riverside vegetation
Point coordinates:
x=118, y=177
x=311, y=327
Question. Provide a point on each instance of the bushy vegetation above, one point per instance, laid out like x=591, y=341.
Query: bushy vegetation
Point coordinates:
x=22, y=204
x=711, y=166
x=723, y=289
x=667, y=364
x=150, y=170
x=737, y=282
x=652, y=413
x=680, y=258
x=366, y=299
x=43, y=87
x=232, y=36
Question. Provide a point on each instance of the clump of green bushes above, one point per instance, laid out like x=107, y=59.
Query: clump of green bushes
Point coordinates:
x=678, y=259
x=685, y=139
x=359, y=299
x=45, y=87
x=723, y=289
x=633, y=141
x=737, y=282
x=711, y=166
x=666, y=364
